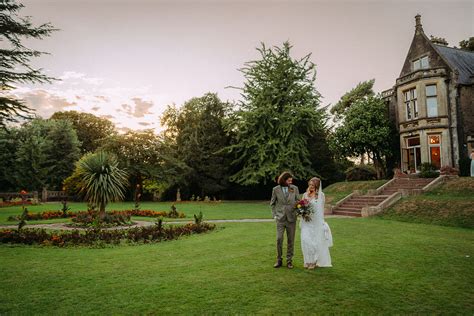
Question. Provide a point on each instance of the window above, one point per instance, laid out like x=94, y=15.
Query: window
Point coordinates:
x=421, y=63
x=411, y=104
x=431, y=101
x=435, y=150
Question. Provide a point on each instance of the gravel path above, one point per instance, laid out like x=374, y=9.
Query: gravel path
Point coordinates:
x=63, y=226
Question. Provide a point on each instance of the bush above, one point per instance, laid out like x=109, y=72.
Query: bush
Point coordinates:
x=428, y=170
x=92, y=218
x=96, y=236
x=361, y=173
x=61, y=214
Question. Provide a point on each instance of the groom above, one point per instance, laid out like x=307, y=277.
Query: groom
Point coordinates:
x=284, y=198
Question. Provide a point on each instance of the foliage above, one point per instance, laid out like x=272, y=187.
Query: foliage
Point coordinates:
x=43, y=153
x=15, y=59
x=361, y=173
x=194, y=137
x=62, y=154
x=139, y=152
x=198, y=218
x=90, y=129
x=366, y=129
x=46, y=215
x=92, y=218
x=72, y=185
x=467, y=44
x=428, y=170
x=277, y=118
x=102, y=179
x=65, y=208
x=8, y=143
x=23, y=218
x=360, y=92
x=94, y=236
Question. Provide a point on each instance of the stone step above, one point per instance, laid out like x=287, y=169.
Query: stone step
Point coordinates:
x=354, y=214
x=349, y=209
x=358, y=205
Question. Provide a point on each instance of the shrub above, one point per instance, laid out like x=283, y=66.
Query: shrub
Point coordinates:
x=361, y=173
x=97, y=236
x=428, y=170
x=84, y=214
x=92, y=218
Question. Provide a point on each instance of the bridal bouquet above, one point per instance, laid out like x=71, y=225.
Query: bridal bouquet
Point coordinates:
x=302, y=209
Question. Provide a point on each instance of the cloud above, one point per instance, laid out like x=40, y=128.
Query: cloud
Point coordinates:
x=46, y=103
x=126, y=106
x=141, y=107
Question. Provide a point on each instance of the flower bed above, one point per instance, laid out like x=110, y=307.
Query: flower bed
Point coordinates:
x=60, y=214
x=15, y=203
x=155, y=233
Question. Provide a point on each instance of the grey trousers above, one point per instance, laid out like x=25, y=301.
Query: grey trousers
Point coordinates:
x=290, y=237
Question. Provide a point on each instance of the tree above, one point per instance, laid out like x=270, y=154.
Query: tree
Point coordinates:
x=196, y=136
x=62, y=154
x=90, y=128
x=361, y=91
x=277, y=117
x=32, y=163
x=366, y=130
x=138, y=152
x=102, y=179
x=45, y=153
x=15, y=59
x=8, y=143
x=467, y=44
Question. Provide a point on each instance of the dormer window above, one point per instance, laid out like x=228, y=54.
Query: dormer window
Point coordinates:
x=421, y=63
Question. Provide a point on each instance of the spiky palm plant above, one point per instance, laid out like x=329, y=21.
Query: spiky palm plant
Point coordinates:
x=102, y=180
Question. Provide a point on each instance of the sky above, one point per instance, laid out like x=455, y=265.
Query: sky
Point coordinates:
x=126, y=60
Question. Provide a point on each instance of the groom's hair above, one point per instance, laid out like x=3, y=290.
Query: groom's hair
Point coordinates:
x=283, y=177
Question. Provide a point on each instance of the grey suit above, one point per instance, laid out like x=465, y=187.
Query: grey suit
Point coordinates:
x=282, y=210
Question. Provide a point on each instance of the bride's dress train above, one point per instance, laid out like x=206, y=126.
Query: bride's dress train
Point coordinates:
x=316, y=237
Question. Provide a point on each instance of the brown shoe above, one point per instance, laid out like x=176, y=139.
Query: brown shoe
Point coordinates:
x=278, y=264
x=289, y=265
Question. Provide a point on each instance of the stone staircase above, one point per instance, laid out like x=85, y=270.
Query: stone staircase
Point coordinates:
x=358, y=205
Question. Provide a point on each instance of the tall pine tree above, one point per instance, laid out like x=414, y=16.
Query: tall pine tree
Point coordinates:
x=278, y=117
x=15, y=59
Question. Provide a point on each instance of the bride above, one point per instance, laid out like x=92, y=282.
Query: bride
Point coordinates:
x=316, y=237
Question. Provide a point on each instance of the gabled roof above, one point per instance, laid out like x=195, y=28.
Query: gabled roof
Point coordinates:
x=460, y=60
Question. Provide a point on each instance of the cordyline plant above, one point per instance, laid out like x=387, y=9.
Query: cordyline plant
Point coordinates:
x=102, y=180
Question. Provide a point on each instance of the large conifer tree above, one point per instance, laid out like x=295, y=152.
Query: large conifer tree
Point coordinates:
x=15, y=59
x=278, y=116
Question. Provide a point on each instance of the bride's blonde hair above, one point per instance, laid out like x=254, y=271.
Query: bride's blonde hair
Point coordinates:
x=316, y=182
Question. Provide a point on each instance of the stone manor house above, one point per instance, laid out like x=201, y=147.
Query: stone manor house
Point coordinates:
x=432, y=103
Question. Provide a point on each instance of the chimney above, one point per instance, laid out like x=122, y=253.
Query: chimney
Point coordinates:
x=418, y=27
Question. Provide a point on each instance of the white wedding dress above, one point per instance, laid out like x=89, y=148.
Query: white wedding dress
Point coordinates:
x=316, y=237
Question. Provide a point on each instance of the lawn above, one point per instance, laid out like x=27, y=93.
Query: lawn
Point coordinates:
x=219, y=210
x=380, y=266
x=451, y=204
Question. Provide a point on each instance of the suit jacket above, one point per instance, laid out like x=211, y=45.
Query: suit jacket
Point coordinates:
x=282, y=206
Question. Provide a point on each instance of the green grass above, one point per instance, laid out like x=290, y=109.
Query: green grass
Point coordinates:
x=220, y=210
x=451, y=204
x=380, y=267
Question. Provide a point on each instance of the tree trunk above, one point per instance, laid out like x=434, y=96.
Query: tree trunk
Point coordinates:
x=102, y=211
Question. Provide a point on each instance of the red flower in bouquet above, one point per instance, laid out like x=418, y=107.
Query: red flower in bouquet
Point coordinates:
x=302, y=209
